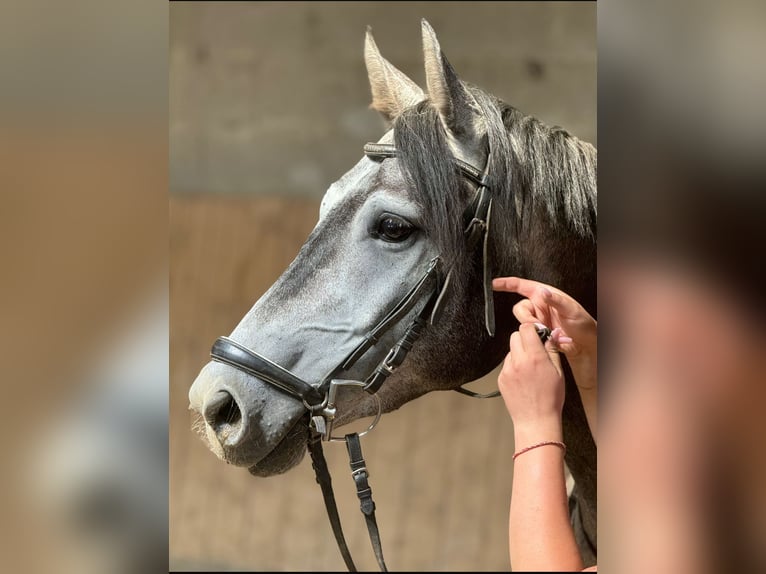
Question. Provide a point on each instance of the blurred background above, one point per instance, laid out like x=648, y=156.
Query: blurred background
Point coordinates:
x=268, y=106
x=682, y=204
x=83, y=294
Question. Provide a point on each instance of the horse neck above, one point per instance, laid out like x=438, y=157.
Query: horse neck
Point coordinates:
x=537, y=238
x=552, y=255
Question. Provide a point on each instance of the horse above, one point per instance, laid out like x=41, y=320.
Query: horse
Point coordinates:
x=393, y=223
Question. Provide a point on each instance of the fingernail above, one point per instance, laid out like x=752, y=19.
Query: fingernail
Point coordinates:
x=565, y=340
x=540, y=326
x=547, y=292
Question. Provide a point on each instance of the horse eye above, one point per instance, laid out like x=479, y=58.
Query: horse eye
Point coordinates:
x=392, y=228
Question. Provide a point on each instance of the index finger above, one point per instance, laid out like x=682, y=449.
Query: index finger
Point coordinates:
x=518, y=285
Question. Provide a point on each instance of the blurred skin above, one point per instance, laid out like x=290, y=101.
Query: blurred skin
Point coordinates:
x=681, y=285
x=532, y=385
x=687, y=379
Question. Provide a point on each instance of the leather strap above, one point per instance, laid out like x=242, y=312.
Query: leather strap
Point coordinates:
x=232, y=353
x=474, y=395
x=364, y=492
x=478, y=215
x=477, y=231
x=401, y=309
x=398, y=352
x=382, y=151
x=489, y=298
x=319, y=464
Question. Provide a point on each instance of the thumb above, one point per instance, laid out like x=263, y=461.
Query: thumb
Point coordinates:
x=554, y=356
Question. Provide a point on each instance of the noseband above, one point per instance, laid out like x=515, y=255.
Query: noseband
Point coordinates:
x=320, y=399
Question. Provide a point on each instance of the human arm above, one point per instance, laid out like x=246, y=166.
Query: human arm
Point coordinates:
x=532, y=386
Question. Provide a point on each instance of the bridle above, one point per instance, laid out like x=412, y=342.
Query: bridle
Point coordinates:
x=320, y=399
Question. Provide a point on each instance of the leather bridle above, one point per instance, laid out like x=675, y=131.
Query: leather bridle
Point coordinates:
x=320, y=399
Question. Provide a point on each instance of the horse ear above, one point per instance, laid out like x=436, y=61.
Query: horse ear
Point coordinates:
x=457, y=108
x=392, y=90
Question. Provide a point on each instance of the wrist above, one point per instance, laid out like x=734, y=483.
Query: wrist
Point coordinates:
x=526, y=433
x=582, y=353
x=584, y=369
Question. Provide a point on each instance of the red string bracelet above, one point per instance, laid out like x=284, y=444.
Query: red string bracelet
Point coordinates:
x=561, y=445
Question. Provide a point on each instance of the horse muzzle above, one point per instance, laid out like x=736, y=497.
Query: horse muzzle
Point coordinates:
x=245, y=419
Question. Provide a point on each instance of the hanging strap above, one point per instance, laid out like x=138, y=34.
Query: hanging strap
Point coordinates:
x=364, y=492
x=474, y=395
x=319, y=463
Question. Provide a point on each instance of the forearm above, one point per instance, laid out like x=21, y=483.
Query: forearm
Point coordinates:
x=585, y=372
x=540, y=534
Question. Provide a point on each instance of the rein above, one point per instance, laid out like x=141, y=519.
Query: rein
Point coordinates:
x=320, y=399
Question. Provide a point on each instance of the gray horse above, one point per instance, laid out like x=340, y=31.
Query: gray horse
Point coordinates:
x=379, y=227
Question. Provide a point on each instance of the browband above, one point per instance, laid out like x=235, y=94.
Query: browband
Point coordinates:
x=387, y=150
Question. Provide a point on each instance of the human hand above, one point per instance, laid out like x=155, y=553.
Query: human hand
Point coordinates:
x=532, y=384
x=574, y=331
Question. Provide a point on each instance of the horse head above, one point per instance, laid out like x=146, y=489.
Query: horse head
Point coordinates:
x=392, y=221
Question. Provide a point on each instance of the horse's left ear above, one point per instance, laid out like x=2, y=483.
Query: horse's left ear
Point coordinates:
x=457, y=108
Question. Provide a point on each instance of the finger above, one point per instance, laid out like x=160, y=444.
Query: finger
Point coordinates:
x=559, y=337
x=553, y=354
x=530, y=340
x=530, y=311
x=518, y=285
x=525, y=311
x=562, y=303
x=542, y=309
x=506, y=362
x=516, y=347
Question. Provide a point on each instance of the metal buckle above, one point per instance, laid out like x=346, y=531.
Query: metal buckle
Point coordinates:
x=325, y=426
x=359, y=471
x=476, y=222
x=386, y=363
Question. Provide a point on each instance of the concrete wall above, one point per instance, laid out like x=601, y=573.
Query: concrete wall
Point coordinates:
x=272, y=98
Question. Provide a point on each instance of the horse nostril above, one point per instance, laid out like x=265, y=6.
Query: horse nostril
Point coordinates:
x=223, y=414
